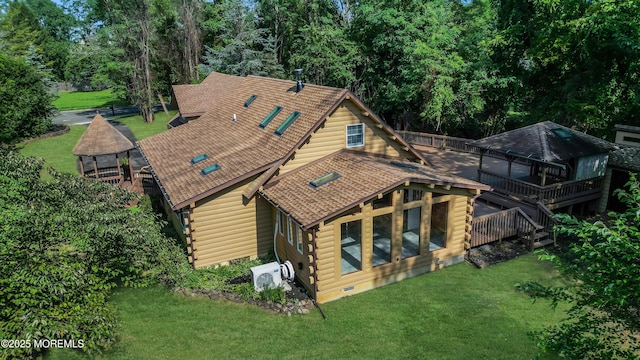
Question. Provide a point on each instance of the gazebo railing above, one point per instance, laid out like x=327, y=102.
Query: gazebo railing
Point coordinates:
x=107, y=174
x=547, y=194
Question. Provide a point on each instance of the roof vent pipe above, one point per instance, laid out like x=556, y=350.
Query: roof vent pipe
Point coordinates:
x=299, y=84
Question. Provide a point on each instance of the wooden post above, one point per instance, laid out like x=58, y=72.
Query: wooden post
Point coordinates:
x=81, y=166
x=95, y=167
x=130, y=167
x=543, y=182
x=480, y=165
x=510, y=160
x=119, y=170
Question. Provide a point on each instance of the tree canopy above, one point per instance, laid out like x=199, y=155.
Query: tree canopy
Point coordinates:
x=64, y=244
x=25, y=100
x=603, y=271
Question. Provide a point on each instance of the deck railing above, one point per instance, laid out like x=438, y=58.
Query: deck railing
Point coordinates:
x=501, y=225
x=532, y=193
x=438, y=141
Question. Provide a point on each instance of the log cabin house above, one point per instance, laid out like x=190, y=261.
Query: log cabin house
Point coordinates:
x=312, y=172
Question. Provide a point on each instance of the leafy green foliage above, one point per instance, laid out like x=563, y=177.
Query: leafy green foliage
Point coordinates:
x=64, y=245
x=602, y=265
x=25, y=103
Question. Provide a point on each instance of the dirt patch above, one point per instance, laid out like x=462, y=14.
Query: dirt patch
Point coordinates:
x=495, y=253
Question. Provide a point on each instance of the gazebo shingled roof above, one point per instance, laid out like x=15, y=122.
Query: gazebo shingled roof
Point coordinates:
x=545, y=142
x=101, y=138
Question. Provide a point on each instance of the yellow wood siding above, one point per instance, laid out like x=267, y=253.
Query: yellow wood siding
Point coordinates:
x=332, y=284
x=332, y=137
x=223, y=228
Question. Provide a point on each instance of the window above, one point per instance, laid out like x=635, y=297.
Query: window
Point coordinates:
x=631, y=139
x=292, y=227
x=385, y=201
x=439, y=220
x=280, y=220
x=382, y=230
x=351, y=246
x=184, y=219
x=299, y=239
x=276, y=110
x=411, y=195
x=411, y=219
x=287, y=122
x=355, y=135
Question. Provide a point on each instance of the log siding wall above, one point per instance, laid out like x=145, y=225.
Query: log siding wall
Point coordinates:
x=224, y=228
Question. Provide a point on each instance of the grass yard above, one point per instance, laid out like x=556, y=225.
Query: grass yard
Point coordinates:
x=76, y=100
x=455, y=313
x=57, y=151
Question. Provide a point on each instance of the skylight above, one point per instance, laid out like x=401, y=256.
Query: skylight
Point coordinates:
x=285, y=125
x=276, y=110
x=404, y=165
x=250, y=100
x=209, y=169
x=199, y=158
x=326, y=178
x=562, y=133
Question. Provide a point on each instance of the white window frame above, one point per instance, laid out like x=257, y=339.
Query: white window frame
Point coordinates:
x=291, y=225
x=361, y=132
x=299, y=239
x=280, y=221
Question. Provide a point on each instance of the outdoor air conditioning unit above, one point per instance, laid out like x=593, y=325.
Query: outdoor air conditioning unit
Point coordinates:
x=266, y=276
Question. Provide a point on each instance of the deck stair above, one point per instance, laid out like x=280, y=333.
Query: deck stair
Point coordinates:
x=506, y=202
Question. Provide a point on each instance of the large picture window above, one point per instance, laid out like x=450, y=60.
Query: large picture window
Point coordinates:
x=351, y=246
x=411, y=232
x=355, y=135
x=382, y=230
x=439, y=220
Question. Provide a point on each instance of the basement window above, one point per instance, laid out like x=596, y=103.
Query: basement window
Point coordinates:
x=250, y=100
x=209, y=169
x=285, y=125
x=199, y=158
x=326, y=178
x=276, y=110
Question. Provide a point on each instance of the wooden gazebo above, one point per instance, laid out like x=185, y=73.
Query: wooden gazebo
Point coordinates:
x=100, y=142
x=564, y=166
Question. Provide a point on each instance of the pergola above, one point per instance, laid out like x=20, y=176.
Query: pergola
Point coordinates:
x=100, y=141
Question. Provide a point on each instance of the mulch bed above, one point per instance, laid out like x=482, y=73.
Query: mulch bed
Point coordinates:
x=495, y=253
x=297, y=301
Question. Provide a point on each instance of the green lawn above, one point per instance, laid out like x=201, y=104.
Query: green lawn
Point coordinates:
x=456, y=313
x=76, y=100
x=57, y=151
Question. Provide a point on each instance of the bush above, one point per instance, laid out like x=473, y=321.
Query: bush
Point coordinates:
x=64, y=245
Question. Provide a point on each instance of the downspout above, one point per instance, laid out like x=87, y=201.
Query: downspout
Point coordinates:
x=315, y=272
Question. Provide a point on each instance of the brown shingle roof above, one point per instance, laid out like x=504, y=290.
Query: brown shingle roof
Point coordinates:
x=626, y=157
x=195, y=100
x=101, y=138
x=362, y=177
x=241, y=148
x=545, y=141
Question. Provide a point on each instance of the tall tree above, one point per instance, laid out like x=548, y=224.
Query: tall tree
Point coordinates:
x=130, y=27
x=25, y=102
x=247, y=49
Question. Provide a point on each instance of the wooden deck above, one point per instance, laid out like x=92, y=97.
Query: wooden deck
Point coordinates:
x=517, y=206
